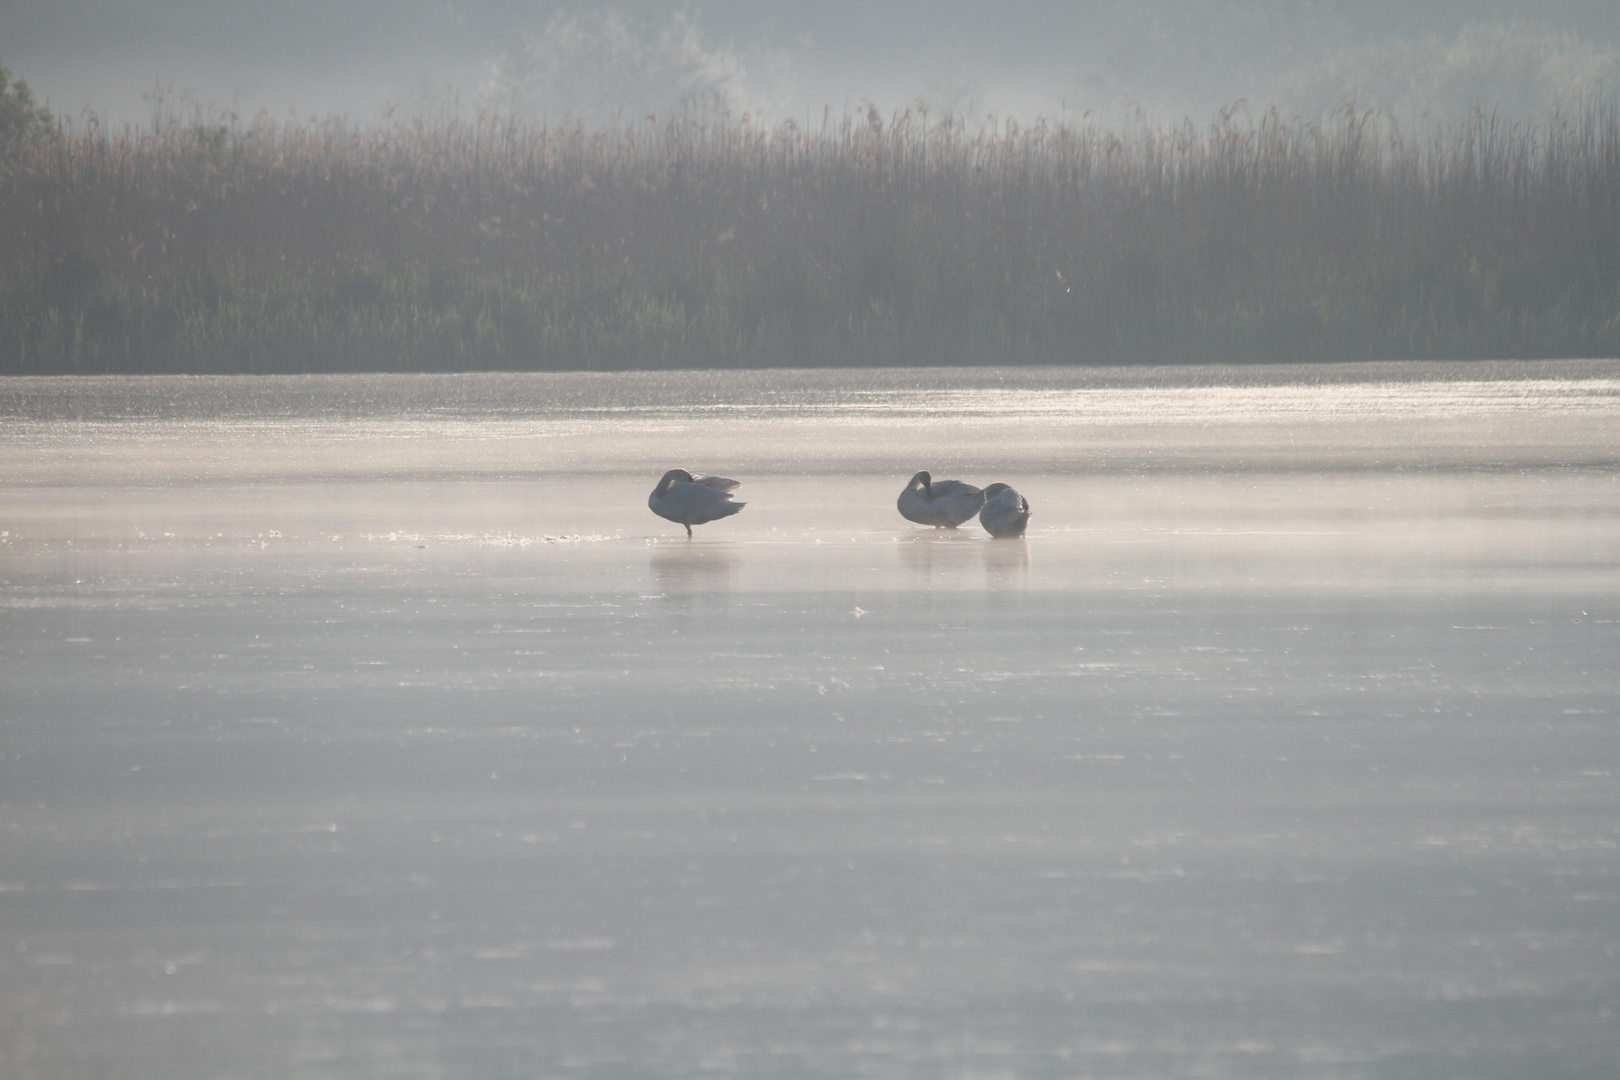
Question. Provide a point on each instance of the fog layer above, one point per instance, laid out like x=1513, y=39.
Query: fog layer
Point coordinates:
x=777, y=60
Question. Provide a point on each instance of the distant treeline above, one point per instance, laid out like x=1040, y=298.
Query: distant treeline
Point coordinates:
x=707, y=241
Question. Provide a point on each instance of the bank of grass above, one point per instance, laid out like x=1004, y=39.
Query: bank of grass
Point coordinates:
x=704, y=241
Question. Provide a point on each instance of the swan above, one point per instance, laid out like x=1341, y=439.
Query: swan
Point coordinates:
x=691, y=500
x=1005, y=513
x=944, y=504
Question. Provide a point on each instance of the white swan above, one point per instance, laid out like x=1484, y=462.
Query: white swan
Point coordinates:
x=682, y=498
x=944, y=504
x=1005, y=513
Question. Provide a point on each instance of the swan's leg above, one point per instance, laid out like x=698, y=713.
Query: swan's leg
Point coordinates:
x=688, y=530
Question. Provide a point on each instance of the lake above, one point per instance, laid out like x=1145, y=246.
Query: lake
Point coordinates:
x=372, y=726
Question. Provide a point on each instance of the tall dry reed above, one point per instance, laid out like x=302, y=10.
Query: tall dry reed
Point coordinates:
x=707, y=241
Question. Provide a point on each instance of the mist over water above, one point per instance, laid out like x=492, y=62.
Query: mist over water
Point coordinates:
x=370, y=725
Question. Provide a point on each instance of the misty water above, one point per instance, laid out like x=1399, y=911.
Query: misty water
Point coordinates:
x=373, y=727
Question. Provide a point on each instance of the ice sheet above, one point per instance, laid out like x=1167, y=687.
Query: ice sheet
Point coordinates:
x=373, y=726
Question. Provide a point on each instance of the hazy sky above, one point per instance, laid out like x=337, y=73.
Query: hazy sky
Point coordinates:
x=1168, y=57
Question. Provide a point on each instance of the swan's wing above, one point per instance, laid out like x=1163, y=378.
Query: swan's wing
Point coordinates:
x=957, y=501
x=1008, y=498
x=913, y=506
x=718, y=483
x=1005, y=514
x=694, y=497
x=719, y=510
x=694, y=504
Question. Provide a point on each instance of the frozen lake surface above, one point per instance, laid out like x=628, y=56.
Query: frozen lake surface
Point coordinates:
x=373, y=727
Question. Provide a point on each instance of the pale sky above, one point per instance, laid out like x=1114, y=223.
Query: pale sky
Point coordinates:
x=1169, y=58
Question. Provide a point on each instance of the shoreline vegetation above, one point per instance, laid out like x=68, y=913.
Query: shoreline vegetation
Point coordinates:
x=707, y=241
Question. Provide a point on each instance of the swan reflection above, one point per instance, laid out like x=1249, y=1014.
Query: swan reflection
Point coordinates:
x=1006, y=563
x=693, y=568
x=931, y=553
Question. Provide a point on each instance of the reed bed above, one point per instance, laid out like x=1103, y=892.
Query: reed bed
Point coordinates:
x=709, y=241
